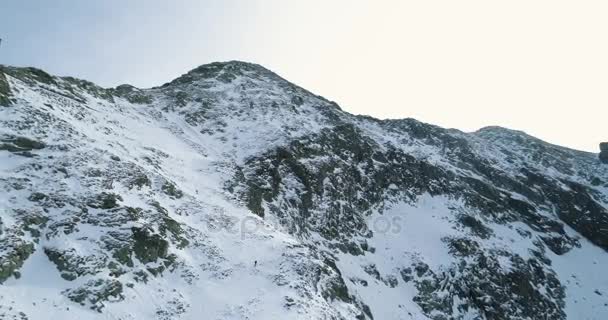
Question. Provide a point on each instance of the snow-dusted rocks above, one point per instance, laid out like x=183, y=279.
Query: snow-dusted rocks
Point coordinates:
x=133, y=203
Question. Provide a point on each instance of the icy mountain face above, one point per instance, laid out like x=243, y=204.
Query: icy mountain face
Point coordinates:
x=230, y=193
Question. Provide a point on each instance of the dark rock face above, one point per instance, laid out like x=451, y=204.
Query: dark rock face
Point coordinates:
x=5, y=90
x=132, y=94
x=478, y=283
x=604, y=152
x=353, y=180
x=20, y=145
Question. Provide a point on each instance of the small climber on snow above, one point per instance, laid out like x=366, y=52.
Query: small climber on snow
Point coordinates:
x=255, y=263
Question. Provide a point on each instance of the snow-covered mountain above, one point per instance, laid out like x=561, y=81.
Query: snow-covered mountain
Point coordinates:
x=231, y=193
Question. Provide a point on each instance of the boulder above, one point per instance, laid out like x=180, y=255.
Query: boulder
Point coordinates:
x=604, y=146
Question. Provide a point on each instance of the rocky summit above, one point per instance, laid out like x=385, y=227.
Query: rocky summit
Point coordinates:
x=231, y=193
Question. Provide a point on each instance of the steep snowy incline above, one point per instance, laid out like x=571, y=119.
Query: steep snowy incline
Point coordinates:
x=123, y=209
x=230, y=193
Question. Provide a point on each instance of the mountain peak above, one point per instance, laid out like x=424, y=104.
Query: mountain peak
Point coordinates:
x=222, y=71
x=502, y=133
x=500, y=130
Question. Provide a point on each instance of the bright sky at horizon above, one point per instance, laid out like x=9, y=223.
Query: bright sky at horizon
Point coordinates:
x=537, y=66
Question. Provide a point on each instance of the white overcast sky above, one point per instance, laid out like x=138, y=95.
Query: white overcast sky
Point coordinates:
x=537, y=66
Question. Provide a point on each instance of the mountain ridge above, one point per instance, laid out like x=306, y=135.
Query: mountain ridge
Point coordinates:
x=239, y=65
x=239, y=195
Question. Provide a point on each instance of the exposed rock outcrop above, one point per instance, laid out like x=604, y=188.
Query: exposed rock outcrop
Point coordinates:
x=604, y=152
